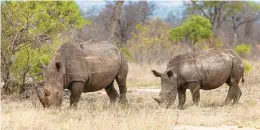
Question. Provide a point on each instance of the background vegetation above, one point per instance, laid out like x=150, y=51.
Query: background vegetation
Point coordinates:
x=32, y=31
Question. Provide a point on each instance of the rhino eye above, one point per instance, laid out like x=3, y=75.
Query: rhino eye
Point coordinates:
x=169, y=73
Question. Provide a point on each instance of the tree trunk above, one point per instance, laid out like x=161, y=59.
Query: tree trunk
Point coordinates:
x=6, y=73
x=235, y=38
x=116, y=17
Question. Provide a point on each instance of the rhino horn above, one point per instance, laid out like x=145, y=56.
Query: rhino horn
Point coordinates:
x=158, y=100
x=41, y=98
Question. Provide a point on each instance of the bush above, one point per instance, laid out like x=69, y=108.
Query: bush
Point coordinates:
x=243, y=49
x=36, y=28
x=151, y=42
x=195, y=29
x=247, y=67
x=126, y=53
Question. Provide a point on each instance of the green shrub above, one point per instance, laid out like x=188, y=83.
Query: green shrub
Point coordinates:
x=195, y=28
x=243, y=49
x=247, y=67
x=126, y=53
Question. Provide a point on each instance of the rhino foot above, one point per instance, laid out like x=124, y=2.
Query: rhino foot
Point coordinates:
x=180, y=107
x=123, y=101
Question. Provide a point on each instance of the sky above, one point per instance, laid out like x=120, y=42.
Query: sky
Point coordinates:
x=163, y=6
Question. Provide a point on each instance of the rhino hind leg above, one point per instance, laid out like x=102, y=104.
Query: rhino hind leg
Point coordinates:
x=121, y=81
x=122, y=89
x=111, y=92
x=195, y=92
x=234, y=93
x=237, y=94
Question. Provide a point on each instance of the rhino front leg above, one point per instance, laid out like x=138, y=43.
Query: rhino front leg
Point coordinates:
x=195, y=92
x=76, y=90
x=111, y=92
x=181, y=97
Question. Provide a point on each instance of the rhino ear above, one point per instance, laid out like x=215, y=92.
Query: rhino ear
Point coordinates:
x=58, y=66
x=157, y=74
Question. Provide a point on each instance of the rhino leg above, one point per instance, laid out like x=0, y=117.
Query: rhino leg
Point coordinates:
x=234, y=92
x=237, y=94
x=121, y=81
x=122, y=89
x=195, y=92
x=111, y=92
x=181, y=97
x=228, y=98
x=76, y=90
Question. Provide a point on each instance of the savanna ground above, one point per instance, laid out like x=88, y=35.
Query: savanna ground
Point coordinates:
x=95, y=112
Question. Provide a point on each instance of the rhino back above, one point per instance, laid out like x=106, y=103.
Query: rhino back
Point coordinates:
x=103, y=61
x=211, y=68
x=95, y=64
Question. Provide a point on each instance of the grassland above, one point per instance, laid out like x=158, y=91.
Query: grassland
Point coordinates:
x=94, y=111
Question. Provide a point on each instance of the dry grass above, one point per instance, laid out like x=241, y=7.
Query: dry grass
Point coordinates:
x=141, y=76
x=94, y=111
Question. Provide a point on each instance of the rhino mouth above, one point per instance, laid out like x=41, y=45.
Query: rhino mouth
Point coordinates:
x=168, y=101
x=164, y=103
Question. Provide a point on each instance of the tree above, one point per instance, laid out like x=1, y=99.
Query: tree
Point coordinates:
x=132, y=13
x=151, y=42
x=26, y=27
x=174, y=18
x=116, y=19
x=194, y=29
x=220, y=11
x=216, y=11
x=248, y=12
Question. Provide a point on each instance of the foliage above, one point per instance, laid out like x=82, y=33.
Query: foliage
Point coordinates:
x=213, y=9
x=149, y=41
x=31, y=31
x=195, y=29
x=132, y=13
x=227, y=13
x=247, y=67
x=243, y=49
x=126, y=53
x=151, y=34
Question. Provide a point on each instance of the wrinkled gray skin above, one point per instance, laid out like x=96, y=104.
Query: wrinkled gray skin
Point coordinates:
x=205, y=70
x=86, y=67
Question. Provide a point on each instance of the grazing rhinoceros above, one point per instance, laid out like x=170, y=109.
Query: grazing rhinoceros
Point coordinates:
x=86, y=67
x=205, y=70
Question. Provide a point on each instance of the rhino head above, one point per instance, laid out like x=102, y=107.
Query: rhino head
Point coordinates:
x=53, y=77
x=168, y=91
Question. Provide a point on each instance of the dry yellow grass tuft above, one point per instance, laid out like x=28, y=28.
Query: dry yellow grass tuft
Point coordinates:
x=95, y=112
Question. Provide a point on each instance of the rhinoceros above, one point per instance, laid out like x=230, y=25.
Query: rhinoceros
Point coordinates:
x=204, y=70
x=81, y=68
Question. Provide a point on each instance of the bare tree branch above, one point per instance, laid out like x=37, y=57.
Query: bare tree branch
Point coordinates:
x=247, y=21
x=200, y=8
x=116, y=17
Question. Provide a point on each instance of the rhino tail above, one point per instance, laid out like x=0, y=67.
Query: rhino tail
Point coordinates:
x=243, y=79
